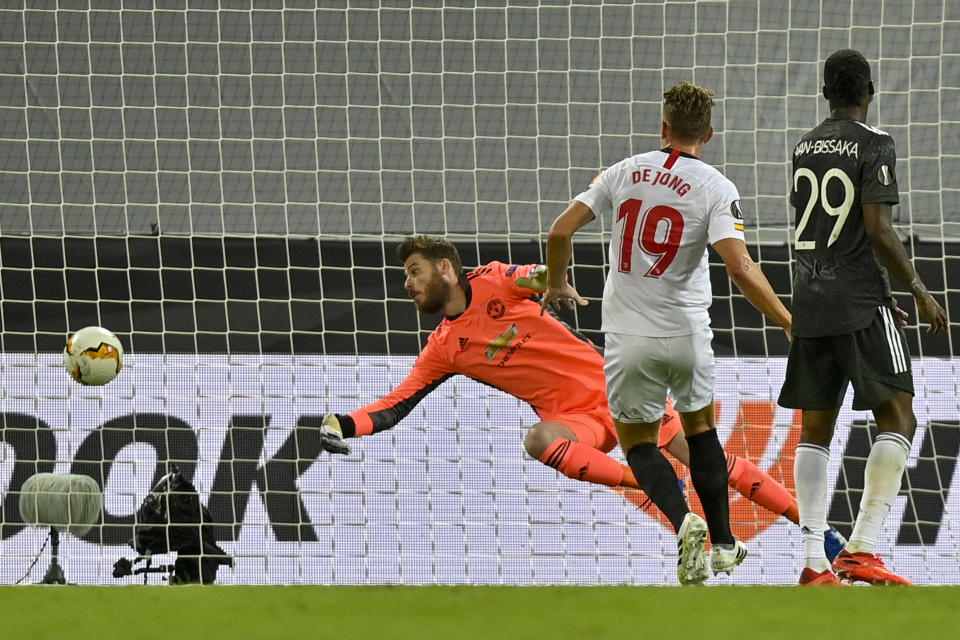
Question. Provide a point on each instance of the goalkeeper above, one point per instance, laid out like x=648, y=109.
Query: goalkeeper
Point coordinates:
x=493, y=331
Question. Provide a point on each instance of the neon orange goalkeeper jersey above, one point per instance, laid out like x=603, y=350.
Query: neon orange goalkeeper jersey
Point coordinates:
x=503, y=341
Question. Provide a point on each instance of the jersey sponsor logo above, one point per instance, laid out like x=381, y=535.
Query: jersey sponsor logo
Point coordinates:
x=501, y=342
x=886, y=175
x=841, y=147
x=512, y=350
x=463, y=343
x=495, y=309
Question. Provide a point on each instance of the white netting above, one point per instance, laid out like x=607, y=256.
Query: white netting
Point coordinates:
x=167, y=167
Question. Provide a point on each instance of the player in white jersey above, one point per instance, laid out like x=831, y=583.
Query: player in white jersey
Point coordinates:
x=667, y=205
x=684, y=204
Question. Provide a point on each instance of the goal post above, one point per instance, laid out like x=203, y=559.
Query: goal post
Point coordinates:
x=223, y=185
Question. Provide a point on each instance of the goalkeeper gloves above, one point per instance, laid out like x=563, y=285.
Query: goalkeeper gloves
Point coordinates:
x=331, y=435
x=536, y=281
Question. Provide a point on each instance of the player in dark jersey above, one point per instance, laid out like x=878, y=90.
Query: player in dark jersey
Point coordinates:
x=845, y=323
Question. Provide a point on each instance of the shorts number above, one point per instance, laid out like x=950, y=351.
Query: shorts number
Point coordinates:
x=664, y=250
x=818, y=192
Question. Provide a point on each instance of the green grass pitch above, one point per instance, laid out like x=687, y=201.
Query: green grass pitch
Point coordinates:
x=585, y=613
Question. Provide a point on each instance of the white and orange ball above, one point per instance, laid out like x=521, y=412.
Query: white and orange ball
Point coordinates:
x=93, y=356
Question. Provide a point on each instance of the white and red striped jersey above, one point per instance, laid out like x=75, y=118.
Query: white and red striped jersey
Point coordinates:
x=666, y=206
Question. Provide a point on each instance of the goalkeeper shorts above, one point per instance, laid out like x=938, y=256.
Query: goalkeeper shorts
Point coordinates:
x=593, y=428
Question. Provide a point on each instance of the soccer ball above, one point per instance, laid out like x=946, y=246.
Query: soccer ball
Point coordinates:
x=93, y=356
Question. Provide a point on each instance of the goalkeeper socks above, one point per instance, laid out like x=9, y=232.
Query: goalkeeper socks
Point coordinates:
x=810, y=477
x=708, y=471
x=580, y=462
x=757, y=485
x=628, y=479
x=656, y=475
x=881, y=483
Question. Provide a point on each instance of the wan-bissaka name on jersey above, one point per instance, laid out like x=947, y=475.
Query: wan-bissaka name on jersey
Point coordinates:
x=837, y=283
x=503, y=341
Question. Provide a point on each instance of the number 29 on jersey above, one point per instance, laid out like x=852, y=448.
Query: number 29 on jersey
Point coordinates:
x=818, y=195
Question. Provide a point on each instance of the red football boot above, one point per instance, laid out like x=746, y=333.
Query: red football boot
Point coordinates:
x=827, y=578
x=865, y=567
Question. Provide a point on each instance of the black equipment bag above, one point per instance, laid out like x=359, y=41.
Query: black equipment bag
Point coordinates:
x=172, y=519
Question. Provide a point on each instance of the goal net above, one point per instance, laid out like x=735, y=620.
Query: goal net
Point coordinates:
x=223, y=186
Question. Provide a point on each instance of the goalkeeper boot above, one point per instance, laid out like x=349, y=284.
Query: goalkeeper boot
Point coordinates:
x=865, y=567
x=826, y=578
x=691, y=549
x=833, y=543
x=724, y=560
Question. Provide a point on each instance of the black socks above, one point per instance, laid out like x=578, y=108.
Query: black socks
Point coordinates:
x=708, y=470
x=658, y=479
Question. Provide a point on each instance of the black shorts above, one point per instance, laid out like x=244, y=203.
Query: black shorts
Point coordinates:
x=874, y=359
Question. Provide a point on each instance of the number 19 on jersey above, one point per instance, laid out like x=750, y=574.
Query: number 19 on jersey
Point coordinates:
x=663, y=250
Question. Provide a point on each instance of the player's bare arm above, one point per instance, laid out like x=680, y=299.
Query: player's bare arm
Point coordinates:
x=891, y=254
x=749, y=278
x=559, y=292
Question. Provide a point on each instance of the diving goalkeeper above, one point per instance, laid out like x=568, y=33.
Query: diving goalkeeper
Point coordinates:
x=493, y=331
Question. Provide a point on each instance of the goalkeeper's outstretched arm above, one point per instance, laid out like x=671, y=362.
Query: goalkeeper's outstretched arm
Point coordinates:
x=426, y=375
